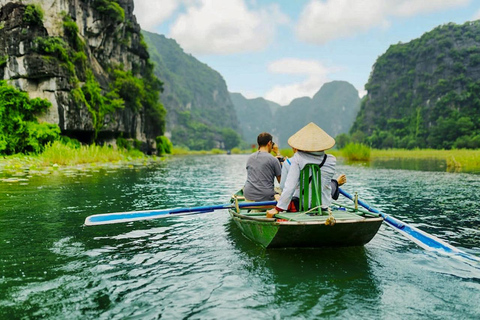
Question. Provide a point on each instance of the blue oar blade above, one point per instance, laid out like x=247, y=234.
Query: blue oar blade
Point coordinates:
x=122, y=217
x=422, y=238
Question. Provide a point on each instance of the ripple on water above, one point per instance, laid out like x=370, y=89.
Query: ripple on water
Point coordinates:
x=201, y=266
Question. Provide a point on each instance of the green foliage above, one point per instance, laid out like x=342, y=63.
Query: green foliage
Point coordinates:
x=19, y=130
x=3, y=60
x=97, y=103
x=164, y=146
x=230, y=138
x=33, y=15
x=54, y=46
x=129, y=88
x=111, y=9
x=356, y=152
x=342, y=140
x=71, y=32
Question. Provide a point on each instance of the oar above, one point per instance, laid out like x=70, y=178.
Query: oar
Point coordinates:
x=423, y=239
x=121, y=217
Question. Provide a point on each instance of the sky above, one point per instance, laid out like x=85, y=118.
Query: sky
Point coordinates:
x=286, y=49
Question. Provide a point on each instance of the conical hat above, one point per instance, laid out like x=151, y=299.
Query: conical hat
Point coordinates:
x=311, y=138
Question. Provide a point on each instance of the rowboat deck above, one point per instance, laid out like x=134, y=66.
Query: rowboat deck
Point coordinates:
x=305, y=217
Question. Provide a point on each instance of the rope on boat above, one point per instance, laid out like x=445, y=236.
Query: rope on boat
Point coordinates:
x=330, y=220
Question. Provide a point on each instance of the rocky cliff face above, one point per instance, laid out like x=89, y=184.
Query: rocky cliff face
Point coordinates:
x=425, y=93
x=81, y=56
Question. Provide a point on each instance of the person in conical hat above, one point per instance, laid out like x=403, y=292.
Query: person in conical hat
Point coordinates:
x=310, y=142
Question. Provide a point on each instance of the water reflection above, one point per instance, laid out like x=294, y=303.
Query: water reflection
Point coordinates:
x=333, y=282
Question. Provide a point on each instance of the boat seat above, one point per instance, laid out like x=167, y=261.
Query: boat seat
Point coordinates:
x=311, y=188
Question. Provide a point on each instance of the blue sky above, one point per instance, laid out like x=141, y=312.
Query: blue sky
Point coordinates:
x=285, y=49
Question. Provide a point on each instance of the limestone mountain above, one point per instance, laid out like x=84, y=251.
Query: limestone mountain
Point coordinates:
x=88, y=59
x=200, y=113
x=425, y=93
x=334, y=108
x=255, y=115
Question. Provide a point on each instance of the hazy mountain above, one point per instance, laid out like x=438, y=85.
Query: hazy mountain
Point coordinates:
x=334, y=108
x=200, y=114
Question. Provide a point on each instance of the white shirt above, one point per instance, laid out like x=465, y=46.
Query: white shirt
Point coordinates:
x=292, y=184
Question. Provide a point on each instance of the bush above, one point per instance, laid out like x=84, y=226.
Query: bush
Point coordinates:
x=356, y=152
x=19, y=130
x=33, y=15
x=164, y=145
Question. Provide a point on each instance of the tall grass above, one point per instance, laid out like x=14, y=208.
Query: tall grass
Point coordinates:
x=457, y=160
x=356, y=152
x=61, y=154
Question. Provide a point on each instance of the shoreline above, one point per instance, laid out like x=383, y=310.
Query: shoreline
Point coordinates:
x=18, y=168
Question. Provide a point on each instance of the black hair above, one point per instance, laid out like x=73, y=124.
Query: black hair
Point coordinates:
x=264, y=138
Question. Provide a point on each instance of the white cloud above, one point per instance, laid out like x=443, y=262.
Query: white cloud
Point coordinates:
x=151, y=13
x=316, y=74
x=476, y=16
x=225, y=26
x=322, y=21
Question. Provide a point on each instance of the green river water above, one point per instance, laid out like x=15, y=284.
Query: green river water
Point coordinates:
x=201, y=266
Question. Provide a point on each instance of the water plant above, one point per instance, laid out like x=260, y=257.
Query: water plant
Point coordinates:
x=356, y=152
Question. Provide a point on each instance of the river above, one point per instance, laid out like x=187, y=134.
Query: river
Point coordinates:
x=201, y=266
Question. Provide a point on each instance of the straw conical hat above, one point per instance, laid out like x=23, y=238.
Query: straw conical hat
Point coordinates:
x=311, y=138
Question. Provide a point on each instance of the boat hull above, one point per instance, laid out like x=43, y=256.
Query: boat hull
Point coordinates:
x=283, y=234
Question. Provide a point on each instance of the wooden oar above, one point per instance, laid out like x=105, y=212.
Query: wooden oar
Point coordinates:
x=121, y=217
x=423, y=239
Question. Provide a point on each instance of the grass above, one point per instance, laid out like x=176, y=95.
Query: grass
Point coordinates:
x=58, y=156
x=61, y=154
x=356, y=152
x=457, y=160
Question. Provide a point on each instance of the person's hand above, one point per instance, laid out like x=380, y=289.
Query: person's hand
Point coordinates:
x=342, y=180
x=271, y=213
x=277, y=197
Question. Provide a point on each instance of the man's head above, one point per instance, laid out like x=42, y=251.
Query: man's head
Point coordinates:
x=263, y=139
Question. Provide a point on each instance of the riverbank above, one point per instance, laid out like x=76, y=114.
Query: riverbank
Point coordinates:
x=461, y=160
x=59, y=158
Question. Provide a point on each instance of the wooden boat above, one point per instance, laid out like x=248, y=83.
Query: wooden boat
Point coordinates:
x=349, y=226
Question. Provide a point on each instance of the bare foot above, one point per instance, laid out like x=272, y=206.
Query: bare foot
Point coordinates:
x=342, y=180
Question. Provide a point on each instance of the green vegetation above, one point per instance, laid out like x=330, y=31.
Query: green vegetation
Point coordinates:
x=111, y=9
x=356, y=152
x=425, y=93
x=164, y=146
x=457, y=160
x=33, y=15
x=98, y=104
x=178, y=150
x=61, y=154
x=19, y=130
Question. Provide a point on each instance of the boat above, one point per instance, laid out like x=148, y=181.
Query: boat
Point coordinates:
x=341, y=226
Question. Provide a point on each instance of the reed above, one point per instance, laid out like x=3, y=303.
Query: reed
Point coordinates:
x=356, y=152
x=61, y=154
x=457, y=159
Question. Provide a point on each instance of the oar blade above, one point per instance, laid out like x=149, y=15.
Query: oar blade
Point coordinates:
x=421, y=238
x=123, y=217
